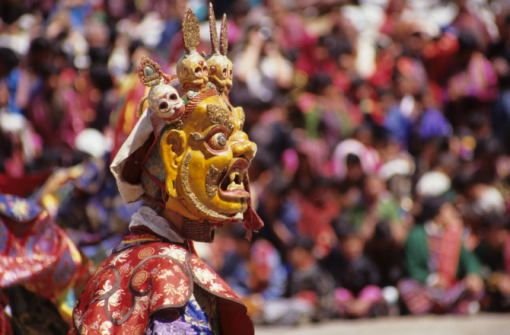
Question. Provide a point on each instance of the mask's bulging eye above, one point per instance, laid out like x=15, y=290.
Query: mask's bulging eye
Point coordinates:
x=218, y=141
x=173, y=96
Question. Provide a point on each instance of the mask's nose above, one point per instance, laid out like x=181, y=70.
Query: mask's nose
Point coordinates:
x=242, y=147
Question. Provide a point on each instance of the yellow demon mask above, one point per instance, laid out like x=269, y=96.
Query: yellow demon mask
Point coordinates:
x=198, y=161
x=206, y=163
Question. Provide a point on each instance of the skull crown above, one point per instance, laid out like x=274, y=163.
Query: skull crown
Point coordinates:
x=193, y=72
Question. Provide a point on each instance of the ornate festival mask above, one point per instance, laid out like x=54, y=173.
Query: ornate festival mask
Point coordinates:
x=206, y=158
x=220, y=67
x=193, y=160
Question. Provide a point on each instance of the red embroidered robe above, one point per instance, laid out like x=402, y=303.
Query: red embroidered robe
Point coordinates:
x=147, y=276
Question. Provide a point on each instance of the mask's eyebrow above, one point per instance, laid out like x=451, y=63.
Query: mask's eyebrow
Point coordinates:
x=203, y=135
x=219, y=115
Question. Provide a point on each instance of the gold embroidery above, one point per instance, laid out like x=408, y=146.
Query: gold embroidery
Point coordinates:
x=139, y=278
x=146, y=252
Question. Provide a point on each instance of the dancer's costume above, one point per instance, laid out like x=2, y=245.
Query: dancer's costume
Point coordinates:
x=39, y=266
x=187, y=160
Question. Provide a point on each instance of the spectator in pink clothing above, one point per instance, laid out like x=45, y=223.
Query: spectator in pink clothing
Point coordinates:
x=357, y=294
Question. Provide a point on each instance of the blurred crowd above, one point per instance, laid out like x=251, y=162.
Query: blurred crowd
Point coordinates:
x=383, y=132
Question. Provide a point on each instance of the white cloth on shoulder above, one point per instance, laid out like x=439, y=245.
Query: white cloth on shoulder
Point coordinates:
x=136, y=139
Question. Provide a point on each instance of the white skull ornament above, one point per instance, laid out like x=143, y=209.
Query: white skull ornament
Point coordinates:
x=165, y=102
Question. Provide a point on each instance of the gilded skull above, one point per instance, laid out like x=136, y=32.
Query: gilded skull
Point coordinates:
x=193, y=72
x=220, y=72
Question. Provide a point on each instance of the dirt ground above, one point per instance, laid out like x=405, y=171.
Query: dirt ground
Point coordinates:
x=484, y=324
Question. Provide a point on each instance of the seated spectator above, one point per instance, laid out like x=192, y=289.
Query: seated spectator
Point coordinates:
x=310, y=291
x=308, y=281
x=494, y=252
x=369, y=203
x=356, y=277
x=444, y=277
x=386, y=225
x=254, y=269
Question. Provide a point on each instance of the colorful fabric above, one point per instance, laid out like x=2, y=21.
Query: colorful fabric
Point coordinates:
x=433, y=124
x=35, y=252
x=193, y=320
x=142, y=279
x=398, y=125
x=371, y=294
x=178, y=326
x=18, y=209
x=421, y=299
x=418, y=261
x=444, y=248
x=479, y=80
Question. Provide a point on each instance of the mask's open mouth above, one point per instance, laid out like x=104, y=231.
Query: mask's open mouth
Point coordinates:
x=234, y=183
